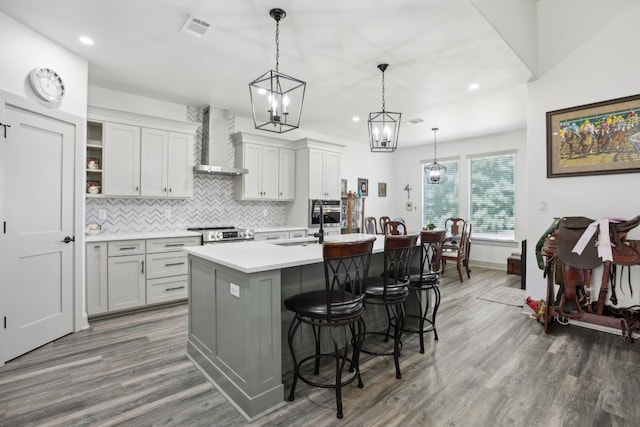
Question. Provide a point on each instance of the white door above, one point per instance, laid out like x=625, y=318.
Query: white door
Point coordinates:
x=38, y=214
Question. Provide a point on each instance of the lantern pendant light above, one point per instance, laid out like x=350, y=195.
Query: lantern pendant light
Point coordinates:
x=276, y=99
x=434, y=172
x=384, y=126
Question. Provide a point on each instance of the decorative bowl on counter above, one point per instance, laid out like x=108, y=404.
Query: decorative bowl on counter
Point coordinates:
x=93, y=229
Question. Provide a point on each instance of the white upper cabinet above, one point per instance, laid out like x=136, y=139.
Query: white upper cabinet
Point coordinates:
x=271, y=168
x=324, y=174
x=145, y=156
x=121, y=154
x=166, y=164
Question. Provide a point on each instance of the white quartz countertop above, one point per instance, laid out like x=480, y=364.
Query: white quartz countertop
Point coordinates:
x=109, y=237
x=275, y=229
x=253, y=257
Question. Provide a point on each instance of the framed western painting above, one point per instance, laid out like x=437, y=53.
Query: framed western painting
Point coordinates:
x=594, y=139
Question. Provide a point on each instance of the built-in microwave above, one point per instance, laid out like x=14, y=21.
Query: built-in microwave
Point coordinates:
x=330, y=212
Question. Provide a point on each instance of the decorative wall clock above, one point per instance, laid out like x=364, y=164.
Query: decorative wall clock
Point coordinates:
x=47, y=84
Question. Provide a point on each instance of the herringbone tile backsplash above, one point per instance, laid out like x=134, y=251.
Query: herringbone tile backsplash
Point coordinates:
x=212, y=204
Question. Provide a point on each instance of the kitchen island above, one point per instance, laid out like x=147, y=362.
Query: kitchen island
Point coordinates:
x=237, y=320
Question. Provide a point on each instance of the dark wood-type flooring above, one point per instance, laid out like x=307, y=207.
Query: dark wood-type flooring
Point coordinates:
x=493, y=366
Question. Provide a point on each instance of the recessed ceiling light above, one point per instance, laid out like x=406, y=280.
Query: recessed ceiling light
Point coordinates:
x=413, y=121
x=355, y=118
x=474, y=86
x=87, y=41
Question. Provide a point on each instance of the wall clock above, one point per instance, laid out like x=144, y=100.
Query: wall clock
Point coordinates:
x=47, y=84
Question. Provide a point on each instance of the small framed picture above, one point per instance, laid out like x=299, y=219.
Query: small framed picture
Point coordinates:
x=382, y=189
x=343, y=187
x=363, y=186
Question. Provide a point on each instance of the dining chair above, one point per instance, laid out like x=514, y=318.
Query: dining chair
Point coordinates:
x=338, y=305
x=454, y=227
x=395, y=228
x=383, y=221
x=459, y=252
x=370, y=225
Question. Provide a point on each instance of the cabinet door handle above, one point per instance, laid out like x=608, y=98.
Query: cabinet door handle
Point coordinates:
x=273, y=238
x=142, y=272
x=171, y=264
x=165, y=190
x=127, y=248
x=171, y=245
x=169, y=189
x=174, y=289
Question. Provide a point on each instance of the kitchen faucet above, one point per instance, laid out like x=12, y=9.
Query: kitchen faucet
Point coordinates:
x=320, y=233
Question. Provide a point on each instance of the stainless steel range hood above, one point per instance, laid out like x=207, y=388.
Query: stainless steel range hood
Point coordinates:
x=214, y=157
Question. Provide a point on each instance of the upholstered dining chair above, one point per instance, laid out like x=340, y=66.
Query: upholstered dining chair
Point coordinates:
x=459, y=252
x=390, y=290
x=370, y=225
x=425, y=281
x=337, y=307
x=455, y=227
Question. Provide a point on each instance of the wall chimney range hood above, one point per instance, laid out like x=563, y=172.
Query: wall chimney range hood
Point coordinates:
x=215, y=144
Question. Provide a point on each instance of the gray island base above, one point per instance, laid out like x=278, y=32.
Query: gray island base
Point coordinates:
x=237, y=321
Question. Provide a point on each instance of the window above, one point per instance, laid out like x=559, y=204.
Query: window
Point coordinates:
x=492, y=196
x=440, y=201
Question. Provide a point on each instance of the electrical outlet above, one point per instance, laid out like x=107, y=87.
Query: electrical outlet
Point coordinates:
x=234, y=290
x=265, y=213
x=102, y=214
x=167, y=213
x=543, y=204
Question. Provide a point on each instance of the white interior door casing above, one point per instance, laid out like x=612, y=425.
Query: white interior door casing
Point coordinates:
x=38, y=213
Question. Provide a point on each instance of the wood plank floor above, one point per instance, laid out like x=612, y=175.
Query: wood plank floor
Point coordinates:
x=493, y=366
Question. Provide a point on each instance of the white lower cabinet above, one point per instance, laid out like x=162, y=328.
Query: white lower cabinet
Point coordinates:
x=127, y=274
x=96, y=278
x=126, y=282
x=275, y=235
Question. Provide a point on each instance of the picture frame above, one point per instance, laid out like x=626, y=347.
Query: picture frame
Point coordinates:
x=594, y=139
x=363, y=186
x=343, y=187
x=382, y=189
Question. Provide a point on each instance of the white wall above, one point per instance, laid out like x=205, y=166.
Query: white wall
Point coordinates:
x=601, y=67
x=22, y=50
x=101, y=97
x=407, y=168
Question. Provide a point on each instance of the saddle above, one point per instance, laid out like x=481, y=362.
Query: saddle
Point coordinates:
x=576, y=265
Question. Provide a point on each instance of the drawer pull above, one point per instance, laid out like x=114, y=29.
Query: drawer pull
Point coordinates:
x=170, y=245
x=174, y=289
x=171, y=264
x=127, y=248
x=273, y=237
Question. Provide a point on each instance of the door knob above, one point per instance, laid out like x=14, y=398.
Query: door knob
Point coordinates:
x=68, y=239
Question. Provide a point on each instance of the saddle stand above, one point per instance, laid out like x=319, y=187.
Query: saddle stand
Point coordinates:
x=572, y=251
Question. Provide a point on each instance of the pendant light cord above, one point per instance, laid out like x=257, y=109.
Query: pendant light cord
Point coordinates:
x=435, y=145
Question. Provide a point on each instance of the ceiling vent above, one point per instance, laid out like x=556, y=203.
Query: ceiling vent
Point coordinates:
x=196, y=27
x=414, y=121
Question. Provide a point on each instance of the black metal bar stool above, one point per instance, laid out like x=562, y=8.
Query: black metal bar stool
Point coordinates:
x=391, y=291
x=340, y=304
x=426, y=280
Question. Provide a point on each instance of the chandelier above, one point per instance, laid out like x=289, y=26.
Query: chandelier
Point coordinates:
x=276, y=99
x=434, y=172
x=384, y=127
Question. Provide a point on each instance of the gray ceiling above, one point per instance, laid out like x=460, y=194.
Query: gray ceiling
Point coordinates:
x=435, y=49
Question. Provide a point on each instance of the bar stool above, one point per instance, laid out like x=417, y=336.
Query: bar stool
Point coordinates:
x=427, y=280
x=340, y=304
x=391, y=291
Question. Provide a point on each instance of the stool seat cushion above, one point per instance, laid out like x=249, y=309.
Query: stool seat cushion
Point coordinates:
x=428, y=280
x=314, y=304
x=375, y=289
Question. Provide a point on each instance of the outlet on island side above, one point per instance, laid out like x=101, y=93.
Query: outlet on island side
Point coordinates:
x=234, y=290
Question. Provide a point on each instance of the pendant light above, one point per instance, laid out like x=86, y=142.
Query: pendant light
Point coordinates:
x=384, y=127
x=434, y=172
x=276, y=99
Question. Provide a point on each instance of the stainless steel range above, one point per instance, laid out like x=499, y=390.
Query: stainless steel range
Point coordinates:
x=223, y=234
